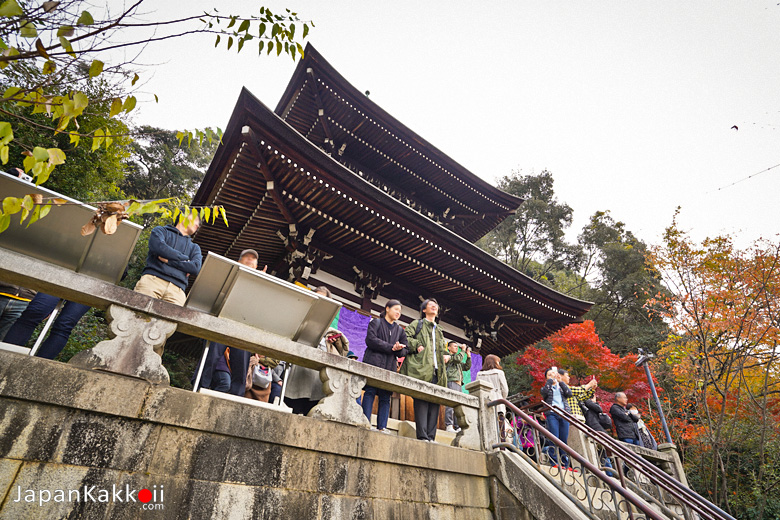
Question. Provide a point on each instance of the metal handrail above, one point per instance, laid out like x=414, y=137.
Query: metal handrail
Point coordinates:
x=662, y=479
x=626, y=493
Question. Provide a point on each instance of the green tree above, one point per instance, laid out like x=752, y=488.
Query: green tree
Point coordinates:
x=621, y=285
x=532, y=241
x=160, y=167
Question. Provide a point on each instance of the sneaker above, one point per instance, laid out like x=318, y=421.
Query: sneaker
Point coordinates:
x=450, y=428
x=573, y=470
x=384, y=430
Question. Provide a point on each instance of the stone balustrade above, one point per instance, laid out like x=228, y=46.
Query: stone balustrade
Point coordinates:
x=140, y=324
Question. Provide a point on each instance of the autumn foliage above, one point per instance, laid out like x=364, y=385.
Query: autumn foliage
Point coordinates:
x=578, y=349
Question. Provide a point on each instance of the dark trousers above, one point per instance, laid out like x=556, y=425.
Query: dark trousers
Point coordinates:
x=220, y=381
x=38, y=310
x=276, y=391
x=239, y=364
x=383, y=410
x=426, y=416
x=10, y=310
x=559, y=427
x=635, y=442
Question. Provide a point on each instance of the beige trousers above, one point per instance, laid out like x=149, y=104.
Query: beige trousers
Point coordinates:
x=155, y=287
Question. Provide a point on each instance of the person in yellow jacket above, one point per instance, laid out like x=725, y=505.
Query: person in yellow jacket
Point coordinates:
x=426, y=360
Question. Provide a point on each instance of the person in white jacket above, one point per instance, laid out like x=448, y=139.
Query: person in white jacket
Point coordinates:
x=493, y=373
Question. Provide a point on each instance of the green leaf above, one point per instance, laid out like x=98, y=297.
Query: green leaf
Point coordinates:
x=80, y=102
x=85, y=19
x=275, y=30
x=6, y=132
x=12, y=205
x=27, y=203
x=135, y=78
x=41, y=48
x=96, y=68
x=116, y=107
x=40, y=154
x=11, y=92
x=129, y=103
x=232, y=22
x=244, y=26
x=45, y=210
x=109, y=140
x=207, y=212
x=5, y=221
x=56, y=156
x=270, y=48
x=36, y=214
x=28, y=163
x=293, y=50
x=49, y=67
x=65, y=30
x=74, y=138
x=10, y=8
x=97, y=139
x=262, y=29
x=4, y=153
x=156, y=99
x=262, y=43
x=292, y=31
x=279, y=47
x=44, y=173
x=27, y=29
x=67, y=46
x=216, y=43
x=230, y=42
x=305, y=30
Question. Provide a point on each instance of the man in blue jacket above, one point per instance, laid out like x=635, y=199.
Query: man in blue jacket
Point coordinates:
x=173, y=258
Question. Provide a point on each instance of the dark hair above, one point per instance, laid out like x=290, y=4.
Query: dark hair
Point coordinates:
x=323, y=289
x=492, y=361
x=425, y=303
x=631, y=405
x=389, y=304
x=562, y=371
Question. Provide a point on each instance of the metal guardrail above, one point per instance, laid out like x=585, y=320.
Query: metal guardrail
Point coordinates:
x=623, y=485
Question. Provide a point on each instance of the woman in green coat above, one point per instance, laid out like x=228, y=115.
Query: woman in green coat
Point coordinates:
x=427, y=361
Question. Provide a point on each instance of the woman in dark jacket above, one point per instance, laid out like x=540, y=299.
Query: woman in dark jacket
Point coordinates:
x=594, y=416
x=385, y=343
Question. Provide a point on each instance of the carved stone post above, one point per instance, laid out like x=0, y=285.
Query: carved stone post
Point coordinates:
x=468, y=420
x=487, y=419
x=132, y=350
x=340, y=402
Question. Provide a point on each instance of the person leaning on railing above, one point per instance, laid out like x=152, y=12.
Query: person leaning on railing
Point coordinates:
x=493, y=372
x=625, y=422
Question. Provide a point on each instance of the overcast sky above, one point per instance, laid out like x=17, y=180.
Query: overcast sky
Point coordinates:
x=629, y=104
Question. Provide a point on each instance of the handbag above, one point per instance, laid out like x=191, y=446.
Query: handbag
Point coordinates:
x=261, y=376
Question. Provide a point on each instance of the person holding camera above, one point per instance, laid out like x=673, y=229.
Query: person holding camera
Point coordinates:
x=556, y=393
x=460, y=360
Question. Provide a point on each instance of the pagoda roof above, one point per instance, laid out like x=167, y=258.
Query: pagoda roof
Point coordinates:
x=325, y=108
x=267, y=176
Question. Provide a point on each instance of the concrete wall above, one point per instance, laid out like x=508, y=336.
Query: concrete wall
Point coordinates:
x=64, y=428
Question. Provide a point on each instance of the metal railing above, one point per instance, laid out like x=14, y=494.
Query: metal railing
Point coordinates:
x=621, y=485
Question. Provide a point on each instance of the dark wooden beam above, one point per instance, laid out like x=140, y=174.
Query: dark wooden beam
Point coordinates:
x=273, y=188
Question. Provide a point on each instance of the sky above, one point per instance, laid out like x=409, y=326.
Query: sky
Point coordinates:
x=630, y=105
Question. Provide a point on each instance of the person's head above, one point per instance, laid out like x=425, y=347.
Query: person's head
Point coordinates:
x=492, y=361
x=188, y=226
x=429, y=308
x=552, y=374
x=632, y=407
x=324, y=291
x=452, y=346
x=351, y=355
x=248, y=258
x=392, y=311
x=564, y=376
x=621, y=399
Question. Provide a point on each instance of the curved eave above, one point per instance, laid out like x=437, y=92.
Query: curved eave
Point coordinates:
x=538, y=300
x=491, y=200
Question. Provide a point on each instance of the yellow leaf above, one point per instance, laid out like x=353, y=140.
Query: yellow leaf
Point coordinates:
x=96, y=68
x=116, y=107
x=12, y=205
x=56, y=156
x=4, y=153
x=129, y=103
x=10, y=8
x=5, y=220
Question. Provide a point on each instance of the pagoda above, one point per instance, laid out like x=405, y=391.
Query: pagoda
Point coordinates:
x=332, y=190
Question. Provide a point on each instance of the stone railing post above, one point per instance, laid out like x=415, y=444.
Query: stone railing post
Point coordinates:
x=132, y=350
x=676, y=468
x=340, y=402
x=486, y=417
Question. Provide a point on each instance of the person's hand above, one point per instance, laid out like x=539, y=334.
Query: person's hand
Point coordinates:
x=265, y=268
x=468, y=351
x=163, y=260
x=280, y=382
x=420, y=349
x=446, y=358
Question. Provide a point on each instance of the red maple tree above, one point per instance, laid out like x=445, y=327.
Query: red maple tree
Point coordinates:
x=578, y=349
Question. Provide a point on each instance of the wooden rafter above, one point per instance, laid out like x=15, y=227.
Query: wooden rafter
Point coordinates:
x=249, y=134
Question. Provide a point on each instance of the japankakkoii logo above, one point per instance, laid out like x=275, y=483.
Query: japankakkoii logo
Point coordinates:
x=150, y=499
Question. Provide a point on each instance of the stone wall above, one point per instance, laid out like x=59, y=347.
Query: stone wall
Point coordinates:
x=64, y=428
